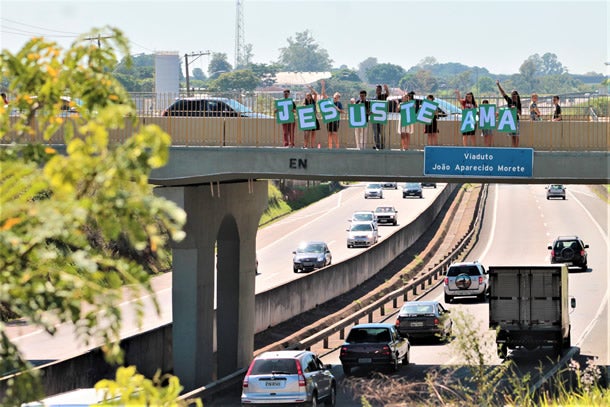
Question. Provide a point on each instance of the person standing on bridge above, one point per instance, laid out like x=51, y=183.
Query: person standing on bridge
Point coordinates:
x=468, y=102
x=514, y=102
x=557, y=110
x=534, y=111
x=361, y=133
x=288, y=128
x=378, y=136
x=431, y=130
x=333, y=127
x=405, y=131
x=310, y=135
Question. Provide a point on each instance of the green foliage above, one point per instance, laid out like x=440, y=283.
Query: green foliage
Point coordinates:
x=75, y=226
x=218, y=65
x=243, y=79
x=303, y=54
x=276, y=207
x=385, y=73
x=313, y=194
x=132, y=389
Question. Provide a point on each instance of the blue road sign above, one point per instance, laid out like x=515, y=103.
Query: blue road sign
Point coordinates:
x=479, y=161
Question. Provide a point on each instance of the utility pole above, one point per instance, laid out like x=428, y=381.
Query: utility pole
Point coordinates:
x=186, y=66
x=99, y=39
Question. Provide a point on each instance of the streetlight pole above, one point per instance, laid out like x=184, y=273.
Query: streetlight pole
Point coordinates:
x=186, y=66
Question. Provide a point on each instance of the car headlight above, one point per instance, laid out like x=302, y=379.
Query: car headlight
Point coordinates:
x=321, y=257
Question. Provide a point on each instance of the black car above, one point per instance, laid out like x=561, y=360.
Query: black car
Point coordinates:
x=210, y=107
x=412, y=189
x=569, y=250
x=428, y=184
x=374, y=345
x=424, y=319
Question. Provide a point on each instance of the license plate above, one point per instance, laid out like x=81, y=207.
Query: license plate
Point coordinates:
x=364, y=360
x=417, y=324
x=274, y=383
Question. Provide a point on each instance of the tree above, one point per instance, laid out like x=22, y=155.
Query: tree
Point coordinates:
x=385, y=73
x=218, y=64
x=528, y=81
x=80, y=228
x=303, y=55
x=364, y=66
x=243, y=79
x=551, y=65
x=421, y=82
x=265, y=72
x=427, y=63
x=198, y=74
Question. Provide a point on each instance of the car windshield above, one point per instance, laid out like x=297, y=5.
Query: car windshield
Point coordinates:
x=411, y=185
x=373, y=186
x=572, y=244
x=384, y=209
x=556, y=186
x=417, y=309
x=360, y=227
x=363, y=217
x=269, y=366
x=238, y=107
x=457, y=270
x=362, y=335
x=311, y=248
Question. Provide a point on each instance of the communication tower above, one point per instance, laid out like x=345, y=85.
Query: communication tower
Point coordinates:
x=239, y=34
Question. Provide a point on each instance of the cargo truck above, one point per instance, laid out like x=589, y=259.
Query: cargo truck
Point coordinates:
x=529, y=306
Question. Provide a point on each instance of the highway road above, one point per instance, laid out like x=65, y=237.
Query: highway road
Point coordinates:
x=519, y=224
x=325, y=220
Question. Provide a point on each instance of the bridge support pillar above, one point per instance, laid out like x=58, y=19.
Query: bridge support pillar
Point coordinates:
x=222, y=221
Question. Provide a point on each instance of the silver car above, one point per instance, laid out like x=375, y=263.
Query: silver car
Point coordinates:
x=364, y=216
x=556, y=191
x=469, y=279
x=289, y=377
x=373, y=191
x=311, y=255
x=362, y=234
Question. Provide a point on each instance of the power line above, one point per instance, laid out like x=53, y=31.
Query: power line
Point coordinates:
x=37, y=27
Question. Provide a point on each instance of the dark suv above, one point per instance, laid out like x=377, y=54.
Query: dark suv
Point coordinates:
x=210, y=107
x=569, y=250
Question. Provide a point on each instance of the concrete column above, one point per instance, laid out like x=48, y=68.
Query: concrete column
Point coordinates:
x=226, y=214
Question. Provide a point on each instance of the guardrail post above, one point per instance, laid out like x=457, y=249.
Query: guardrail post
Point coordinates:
x=395, y=302
x=382, y=309
x=342, y=333
x=405, y=296
x=370, y=317
x=326, y=343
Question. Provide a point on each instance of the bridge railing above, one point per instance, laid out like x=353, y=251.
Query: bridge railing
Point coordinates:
x=583, y=128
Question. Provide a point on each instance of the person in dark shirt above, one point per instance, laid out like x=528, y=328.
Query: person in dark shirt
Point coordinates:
x=361, y=132
x=431, y=130
x=557, y=110
x=514, y=102
x=378, y=137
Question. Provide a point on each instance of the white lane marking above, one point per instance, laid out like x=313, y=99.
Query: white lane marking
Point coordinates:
x=494, y=217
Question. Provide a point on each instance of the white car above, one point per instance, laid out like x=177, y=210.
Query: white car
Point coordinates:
x=362, y=234
x=373, y=190
x=364, y=216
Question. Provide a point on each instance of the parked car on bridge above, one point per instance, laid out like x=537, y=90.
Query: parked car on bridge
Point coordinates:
x=412, y=189
x=466, y=279
x=374, y=345
x=423, y=319
x=556, y=191
x=373, y=190
x=362, y=234
x=570, y=250
x=387, y=215
x=310, y=256
x=289, y=377
x=210, y=107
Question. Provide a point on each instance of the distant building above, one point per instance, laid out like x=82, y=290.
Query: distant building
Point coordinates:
x=167, y=78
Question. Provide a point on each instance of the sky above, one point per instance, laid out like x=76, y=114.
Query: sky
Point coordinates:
x=494, y=34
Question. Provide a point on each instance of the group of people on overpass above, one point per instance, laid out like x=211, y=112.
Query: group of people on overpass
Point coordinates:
x=362, y=111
